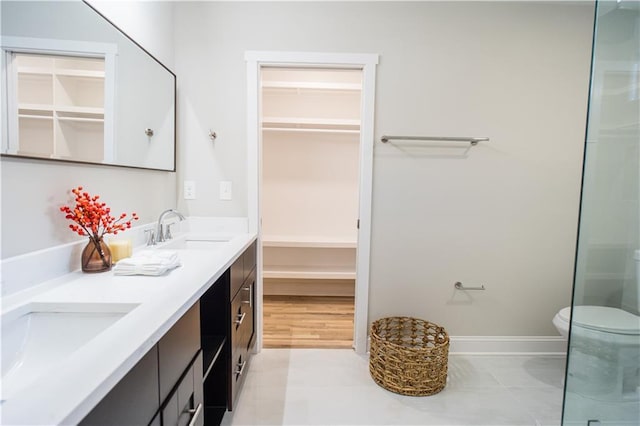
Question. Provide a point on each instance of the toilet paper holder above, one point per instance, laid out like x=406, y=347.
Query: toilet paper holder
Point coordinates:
x=458, y=285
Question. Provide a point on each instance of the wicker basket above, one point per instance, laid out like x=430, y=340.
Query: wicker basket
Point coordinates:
x=409, y=356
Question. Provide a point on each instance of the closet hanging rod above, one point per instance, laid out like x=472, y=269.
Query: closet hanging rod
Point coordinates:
x=472, y=141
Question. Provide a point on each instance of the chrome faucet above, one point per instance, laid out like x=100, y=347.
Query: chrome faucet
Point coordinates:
x=164, y=233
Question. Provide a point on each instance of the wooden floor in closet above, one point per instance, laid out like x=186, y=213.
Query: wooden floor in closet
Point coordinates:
x=308, y=322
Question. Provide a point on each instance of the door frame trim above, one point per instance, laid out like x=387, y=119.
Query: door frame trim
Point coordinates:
x=367, y=63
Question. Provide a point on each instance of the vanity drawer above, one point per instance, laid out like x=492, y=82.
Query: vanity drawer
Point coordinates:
x=249, y=259
x=249, y=301
x=237, y=277
x=242, y=267
x=241, y=320
x=239, y=369
x=185, y=404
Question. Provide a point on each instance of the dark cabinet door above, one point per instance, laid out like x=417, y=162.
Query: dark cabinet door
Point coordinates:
x=177, y=349
x=134, y=400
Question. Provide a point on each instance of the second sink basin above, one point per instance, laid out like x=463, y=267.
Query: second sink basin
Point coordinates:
x=38, y=335
x=197, y=243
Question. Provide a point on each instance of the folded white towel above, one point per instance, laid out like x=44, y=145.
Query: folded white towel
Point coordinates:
x=148, y=262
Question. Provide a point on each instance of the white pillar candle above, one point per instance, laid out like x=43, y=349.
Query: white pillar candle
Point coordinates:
x=120, y=249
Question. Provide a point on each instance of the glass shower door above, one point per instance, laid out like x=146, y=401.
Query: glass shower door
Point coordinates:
x=603, y=368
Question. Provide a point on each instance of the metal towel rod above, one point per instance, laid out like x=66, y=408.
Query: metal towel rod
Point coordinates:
x=458, y=285
x=472, y=141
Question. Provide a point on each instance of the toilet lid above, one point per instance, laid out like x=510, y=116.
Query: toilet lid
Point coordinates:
x=602, y=318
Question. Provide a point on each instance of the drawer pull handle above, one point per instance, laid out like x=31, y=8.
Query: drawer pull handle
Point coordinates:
x=248, y=288
x=196, y=413
x=240, y=318
x=240, y=369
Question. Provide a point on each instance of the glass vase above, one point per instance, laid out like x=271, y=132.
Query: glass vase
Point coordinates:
x=96, y=256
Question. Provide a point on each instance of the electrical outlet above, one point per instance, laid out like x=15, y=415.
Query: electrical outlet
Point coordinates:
x=225, y=190
x=189, y=190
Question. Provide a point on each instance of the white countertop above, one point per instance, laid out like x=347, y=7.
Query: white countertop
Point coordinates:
x=68, y=392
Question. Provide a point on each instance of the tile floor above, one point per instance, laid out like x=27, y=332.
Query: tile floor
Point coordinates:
x=333, y=387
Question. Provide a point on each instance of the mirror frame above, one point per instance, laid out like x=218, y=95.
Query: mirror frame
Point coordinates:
x=175, y=113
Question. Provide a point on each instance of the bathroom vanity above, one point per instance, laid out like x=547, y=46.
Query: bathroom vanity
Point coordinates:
x=175, y=350
x=164, y=386
x=209, y=346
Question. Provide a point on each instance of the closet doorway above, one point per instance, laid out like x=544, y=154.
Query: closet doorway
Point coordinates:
x=309, y=201
x=257, y=61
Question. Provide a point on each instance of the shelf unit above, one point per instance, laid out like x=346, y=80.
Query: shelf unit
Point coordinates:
x=306, y=100
x=313, y=261
x=212, y=361
x=315, y=257
x=60, y=99
x=310, y=133
x=211, y=349
x=214, y=314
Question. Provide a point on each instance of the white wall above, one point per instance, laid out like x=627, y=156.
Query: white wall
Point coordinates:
x=32, y=191
x=149, y=23
x=504, y=215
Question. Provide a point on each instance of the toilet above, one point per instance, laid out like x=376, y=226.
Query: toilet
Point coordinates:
x=604, y=362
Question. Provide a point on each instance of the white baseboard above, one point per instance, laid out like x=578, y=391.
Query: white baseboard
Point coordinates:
x=517, y=345
x=507, y=345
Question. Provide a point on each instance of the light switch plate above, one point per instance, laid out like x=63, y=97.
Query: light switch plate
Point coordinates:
x=225, y=190
x=189, y=190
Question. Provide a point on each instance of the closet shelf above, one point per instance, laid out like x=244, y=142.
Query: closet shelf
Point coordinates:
x=34, y=107
x=60, y=108
x=309, y=130
x=36, y=116
x=80, y=73
x=312, y=85
x=81, y=119
x=316, y=125
x=332, y=272
x=79, y=109
x=35, y=70
x=307, y=241
x=61, y=72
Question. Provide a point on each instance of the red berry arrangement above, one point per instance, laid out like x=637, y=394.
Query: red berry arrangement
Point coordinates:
x=93, y=218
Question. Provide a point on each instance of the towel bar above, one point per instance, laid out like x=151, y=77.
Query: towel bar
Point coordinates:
x=458, y=285
x=472, y=141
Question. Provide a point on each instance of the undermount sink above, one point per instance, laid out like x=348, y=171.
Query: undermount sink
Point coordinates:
x=38, y=335
x=197, y=243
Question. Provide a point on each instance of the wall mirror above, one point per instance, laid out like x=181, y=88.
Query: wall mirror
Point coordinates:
x=76, y=88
